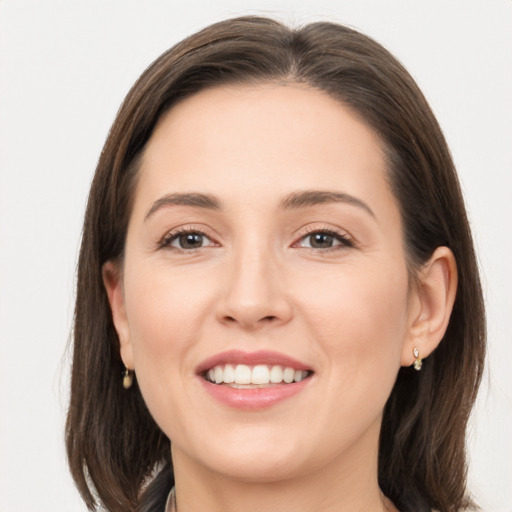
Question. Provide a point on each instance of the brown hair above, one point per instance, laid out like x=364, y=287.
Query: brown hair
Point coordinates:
x=117, y=454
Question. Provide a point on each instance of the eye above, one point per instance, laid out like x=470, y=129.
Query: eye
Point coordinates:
x=186, y=240
x=324, y=240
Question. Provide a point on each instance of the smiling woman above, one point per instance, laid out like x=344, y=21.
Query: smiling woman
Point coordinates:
x=275, y=240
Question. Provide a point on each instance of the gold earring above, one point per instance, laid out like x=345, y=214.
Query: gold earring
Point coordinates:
x=127, y=379
x=417, y=361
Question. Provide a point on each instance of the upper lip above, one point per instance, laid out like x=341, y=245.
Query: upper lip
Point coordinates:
x=251, y=359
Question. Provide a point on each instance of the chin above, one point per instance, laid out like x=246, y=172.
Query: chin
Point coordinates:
x=261, y=469
x=252, y=455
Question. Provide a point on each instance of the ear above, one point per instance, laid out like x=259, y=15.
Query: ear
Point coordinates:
x=431, y=305
x=113, y=282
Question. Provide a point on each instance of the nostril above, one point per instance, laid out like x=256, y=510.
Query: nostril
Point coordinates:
x=266, y=319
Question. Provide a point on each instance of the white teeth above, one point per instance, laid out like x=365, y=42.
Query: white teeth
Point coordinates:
x=242, y=374
x=261, y=374
x=229, y=374
x=299, y=375
x=288, y=375
x=219, y=375
x=276, y=375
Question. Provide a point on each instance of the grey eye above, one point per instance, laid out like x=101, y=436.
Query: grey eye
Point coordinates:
x=321, y=240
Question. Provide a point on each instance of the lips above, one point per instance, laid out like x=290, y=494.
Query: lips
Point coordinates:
x=253, y=380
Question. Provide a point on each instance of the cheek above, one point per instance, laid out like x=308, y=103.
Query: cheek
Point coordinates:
x=163, y=308
x=166, y=312
x=359, y=317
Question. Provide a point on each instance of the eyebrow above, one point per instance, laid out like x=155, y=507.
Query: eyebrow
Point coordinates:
x=188, y=199
x=293, y=201
x=315, y=197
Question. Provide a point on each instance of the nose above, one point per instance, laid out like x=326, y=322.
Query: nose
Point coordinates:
x=254, y=292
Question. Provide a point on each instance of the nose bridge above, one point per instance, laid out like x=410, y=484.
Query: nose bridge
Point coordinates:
x=254, y=292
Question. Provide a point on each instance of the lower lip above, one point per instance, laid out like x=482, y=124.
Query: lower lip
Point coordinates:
x=253, y=398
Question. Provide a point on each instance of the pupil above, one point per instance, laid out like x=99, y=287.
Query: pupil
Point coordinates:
x=191, y=240
x=321, y=240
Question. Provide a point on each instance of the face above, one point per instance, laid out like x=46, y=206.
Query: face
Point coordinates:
x=264, y=246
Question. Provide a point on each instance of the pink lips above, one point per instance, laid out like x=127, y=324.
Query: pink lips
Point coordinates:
x=251, y=398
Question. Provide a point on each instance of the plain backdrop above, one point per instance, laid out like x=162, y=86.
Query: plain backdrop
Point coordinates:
x=66, y=66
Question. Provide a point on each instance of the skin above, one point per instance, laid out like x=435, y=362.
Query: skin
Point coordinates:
x=350, y=312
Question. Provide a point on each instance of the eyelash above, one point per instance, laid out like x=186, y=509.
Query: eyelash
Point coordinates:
x=344, y=240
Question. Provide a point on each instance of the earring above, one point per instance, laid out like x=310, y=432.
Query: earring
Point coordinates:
x=417, y=361
x=127, y=379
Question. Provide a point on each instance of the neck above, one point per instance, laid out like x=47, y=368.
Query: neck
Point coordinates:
x=339, y=485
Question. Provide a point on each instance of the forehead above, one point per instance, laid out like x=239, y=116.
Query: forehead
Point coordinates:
x=271, y=138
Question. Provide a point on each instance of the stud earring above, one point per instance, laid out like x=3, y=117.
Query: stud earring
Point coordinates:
x=417, y=361
x=127, y=379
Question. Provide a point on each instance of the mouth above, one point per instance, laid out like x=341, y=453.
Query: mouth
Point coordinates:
x=243, y=376
x=253, y=381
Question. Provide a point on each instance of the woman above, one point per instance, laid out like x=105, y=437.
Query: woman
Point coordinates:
x=278, y=302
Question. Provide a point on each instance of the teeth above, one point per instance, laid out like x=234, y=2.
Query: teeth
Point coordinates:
x=242, y=374
x=229, y=374
x=219, y=374
x=276, y=375
x=288, y=375
x=299, y=375
x=259, y=374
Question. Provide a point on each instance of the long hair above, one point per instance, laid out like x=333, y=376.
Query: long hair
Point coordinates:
x=118, y=456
